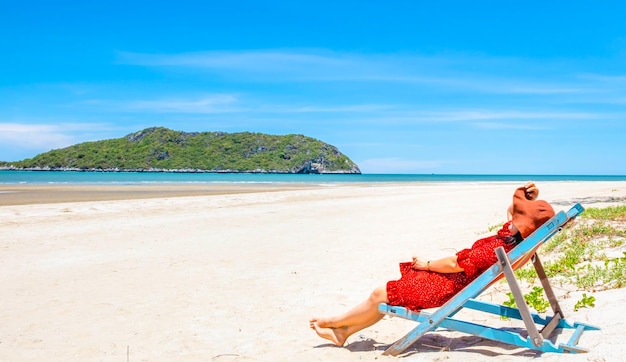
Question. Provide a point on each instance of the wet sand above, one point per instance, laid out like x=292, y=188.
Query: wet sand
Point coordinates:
x=51, y=194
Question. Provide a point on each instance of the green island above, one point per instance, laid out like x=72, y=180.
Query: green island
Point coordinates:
x=159, y=149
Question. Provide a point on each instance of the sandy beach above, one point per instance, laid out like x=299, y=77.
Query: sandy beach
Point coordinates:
x=234, y=273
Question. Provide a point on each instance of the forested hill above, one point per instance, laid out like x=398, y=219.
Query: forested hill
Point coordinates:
x=162, y=149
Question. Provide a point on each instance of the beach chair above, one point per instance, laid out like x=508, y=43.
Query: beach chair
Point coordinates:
x=532, y=337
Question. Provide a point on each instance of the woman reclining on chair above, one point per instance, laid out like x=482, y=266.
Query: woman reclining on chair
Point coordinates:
x=430, y=283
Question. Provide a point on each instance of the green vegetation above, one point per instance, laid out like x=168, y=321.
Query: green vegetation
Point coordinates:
x=535, y=300
x=163, y=149
x=584, y=256
x=585, y=302
x=579, y=252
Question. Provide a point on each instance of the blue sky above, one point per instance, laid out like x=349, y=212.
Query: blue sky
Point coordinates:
x=533, y=87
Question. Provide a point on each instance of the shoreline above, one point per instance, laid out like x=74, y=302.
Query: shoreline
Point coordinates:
x=11, y=195
x=34, y=194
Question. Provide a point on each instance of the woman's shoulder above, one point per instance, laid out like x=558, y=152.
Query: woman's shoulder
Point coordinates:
x=505, y=230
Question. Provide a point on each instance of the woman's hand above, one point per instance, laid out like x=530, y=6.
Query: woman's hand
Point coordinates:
x=419, y=263
x=531, y=191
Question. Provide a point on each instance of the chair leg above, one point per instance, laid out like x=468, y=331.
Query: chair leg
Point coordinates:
x=531, y=328
x=554, y=304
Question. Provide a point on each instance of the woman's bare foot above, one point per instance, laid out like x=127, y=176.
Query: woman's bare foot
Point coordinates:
x=335, y=335
x=322, y=322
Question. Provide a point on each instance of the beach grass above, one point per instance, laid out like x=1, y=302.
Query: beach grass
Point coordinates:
x=584, y=257
x=587, y=254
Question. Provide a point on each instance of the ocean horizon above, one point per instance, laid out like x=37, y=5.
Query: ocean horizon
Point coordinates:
x=125, y=178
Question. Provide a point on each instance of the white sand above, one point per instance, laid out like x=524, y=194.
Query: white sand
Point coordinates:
x=237, y=277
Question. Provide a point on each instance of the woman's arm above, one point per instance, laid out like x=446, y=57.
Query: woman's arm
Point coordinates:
x=450, y=264
x=531, y=192
x=447, y=264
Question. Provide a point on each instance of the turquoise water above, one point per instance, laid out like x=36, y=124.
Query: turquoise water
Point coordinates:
x=74, y=177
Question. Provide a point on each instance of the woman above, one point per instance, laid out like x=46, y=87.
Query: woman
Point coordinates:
x=430, y=283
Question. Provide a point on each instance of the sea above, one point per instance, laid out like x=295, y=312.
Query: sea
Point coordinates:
x=130, y=178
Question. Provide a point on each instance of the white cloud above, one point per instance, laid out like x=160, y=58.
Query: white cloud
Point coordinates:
x=201, y=104
x=206, y=104
x=347, y=108
x=20, y=140
x=480, y=118
x=612, y=79
x=510, y=125
x=299, y=64
x=457, y=72
x=34, y=136
x=397, y=165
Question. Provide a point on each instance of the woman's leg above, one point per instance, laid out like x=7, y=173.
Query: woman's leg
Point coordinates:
x=337, y=329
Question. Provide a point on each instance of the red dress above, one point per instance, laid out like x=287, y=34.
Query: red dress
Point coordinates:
x=422, y=289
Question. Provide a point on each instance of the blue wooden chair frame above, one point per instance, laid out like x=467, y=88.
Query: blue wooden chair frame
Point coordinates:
x=533, y=338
